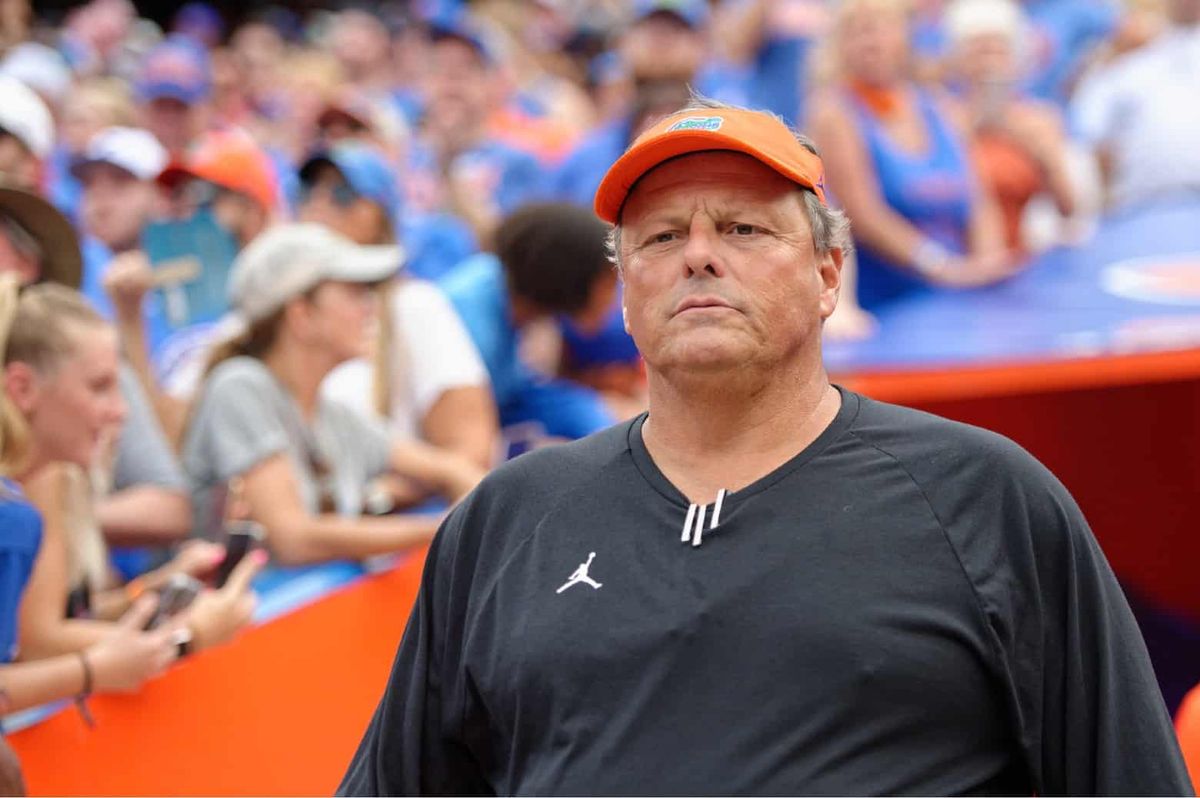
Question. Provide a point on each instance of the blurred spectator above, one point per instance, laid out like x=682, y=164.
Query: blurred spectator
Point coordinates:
x=1141, y=116
x=455, y=164
x=26, y=134
x=201, y=22
x=117, y=170
x=352, y=189
x=550, y=260
x=577, y=179
x=173, y=89
x=669, y=39
x=41, y=68
x=1020, y=146
x=71, y=571
x=774, y=39
x=94, y=35
x=426, y=379
x=145, y=499
x=307, y=297
x=1065, y=34
x=898, y=163
x=91, y=105
x=37, y=243
x=59, y=396
x=223, y=195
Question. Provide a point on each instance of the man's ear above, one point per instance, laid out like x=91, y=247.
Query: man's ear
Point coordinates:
x=830, y=270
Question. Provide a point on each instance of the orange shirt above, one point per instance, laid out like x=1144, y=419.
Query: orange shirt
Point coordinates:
x=1013, y=176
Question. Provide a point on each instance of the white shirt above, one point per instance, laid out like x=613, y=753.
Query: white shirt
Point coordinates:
x=431, y=354
x=1145, y=110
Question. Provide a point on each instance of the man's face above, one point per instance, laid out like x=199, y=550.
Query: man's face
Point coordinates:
x=173, y=122
x=663, y=47
x=458, y=81
x=116, y=205
x=720, y=269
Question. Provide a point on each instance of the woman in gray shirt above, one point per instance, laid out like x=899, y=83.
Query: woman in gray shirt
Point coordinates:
x=307, y=296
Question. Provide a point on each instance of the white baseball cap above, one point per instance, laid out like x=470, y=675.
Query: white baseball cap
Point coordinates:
x=25, y=116
x=39, y=67
x=129, y=148
x=291, y=259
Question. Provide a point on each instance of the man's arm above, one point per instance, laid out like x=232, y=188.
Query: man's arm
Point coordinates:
x=411, y=746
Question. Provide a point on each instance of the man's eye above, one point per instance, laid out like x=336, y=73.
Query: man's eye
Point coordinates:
x=744, y=229
x=662, y=238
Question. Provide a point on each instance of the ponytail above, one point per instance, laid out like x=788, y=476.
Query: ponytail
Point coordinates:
x=34, y=329
x=254, y=341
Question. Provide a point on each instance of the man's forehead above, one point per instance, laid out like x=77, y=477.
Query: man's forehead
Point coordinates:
x=709, y=172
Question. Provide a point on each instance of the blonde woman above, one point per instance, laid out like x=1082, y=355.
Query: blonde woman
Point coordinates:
x=308, y=298
x=59, y=397
x=896, y=158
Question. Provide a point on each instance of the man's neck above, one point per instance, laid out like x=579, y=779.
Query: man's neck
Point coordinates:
x=300, y=372
x=728, y=432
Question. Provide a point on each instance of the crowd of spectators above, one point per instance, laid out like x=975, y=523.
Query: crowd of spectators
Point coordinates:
x=327, y=269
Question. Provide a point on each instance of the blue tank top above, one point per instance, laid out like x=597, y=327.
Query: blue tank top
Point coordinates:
x=20, y=539
x=932, y=190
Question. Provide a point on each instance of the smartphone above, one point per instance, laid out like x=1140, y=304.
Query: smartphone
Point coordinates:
x=173, y=598
x=241, y=537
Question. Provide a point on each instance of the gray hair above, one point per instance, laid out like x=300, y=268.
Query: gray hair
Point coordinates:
x=830, y=227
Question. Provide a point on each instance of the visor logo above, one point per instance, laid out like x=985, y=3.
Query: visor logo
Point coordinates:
x=709, y=123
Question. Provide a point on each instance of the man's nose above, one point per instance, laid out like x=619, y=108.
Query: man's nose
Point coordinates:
x=701, y=254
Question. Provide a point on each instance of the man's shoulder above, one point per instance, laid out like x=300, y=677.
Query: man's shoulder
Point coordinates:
x=931, y=447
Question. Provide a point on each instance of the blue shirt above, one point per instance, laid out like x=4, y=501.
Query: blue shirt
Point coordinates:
x=478, y=290
x=932, y=190
x=20, y=539
x=434, y=243
x=1064, y=32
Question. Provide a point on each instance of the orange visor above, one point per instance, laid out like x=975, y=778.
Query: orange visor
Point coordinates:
x=755, y=133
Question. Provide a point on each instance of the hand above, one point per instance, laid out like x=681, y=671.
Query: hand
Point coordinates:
x=197, y=558
x=128, y=656
x=126, y=282
x=217, y=615
x=977, y=271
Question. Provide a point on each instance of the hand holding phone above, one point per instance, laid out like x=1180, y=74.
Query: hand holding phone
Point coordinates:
x=242, y=537
x=174, y=597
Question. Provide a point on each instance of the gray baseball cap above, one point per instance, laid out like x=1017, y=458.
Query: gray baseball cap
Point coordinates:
x=288, y=260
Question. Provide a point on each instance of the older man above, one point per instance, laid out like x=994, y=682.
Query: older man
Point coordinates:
x=767, y=584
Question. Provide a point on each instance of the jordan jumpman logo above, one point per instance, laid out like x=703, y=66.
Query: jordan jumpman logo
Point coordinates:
x=581, y=575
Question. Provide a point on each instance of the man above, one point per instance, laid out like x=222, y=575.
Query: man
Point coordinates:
x=456, y=164
x=117, y=170
x=1140, y=115
x=801, y=590
x=173, y=88
x=550, y=261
